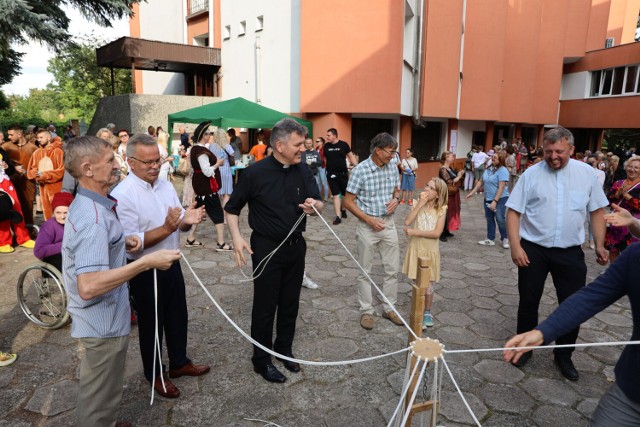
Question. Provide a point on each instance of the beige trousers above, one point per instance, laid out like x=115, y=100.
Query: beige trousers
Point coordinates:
x=384, y=242
x=101, y=381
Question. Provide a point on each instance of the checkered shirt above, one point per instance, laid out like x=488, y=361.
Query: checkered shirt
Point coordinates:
x=373, y=186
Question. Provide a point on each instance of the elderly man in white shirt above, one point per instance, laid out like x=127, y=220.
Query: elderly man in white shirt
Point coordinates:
x=545, y=225
x=149, y=208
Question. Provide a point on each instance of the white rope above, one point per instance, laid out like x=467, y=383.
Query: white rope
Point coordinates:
x=407, y=380
x=435, y=392
x=413, y=395
x=267, y=258
x=156, y=345
x=596, y=344
x=367, y=275
x=460, y=393
x=266, y=423
x=273, y=353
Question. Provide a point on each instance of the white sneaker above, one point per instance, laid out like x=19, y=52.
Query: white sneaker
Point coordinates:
x=487, y=242
x=505, y=244
x=308, y=283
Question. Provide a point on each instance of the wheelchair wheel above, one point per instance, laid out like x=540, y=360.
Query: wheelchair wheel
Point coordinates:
x=42, y=296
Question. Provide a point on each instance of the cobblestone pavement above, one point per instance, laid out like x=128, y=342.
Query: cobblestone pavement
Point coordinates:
x=475, y=307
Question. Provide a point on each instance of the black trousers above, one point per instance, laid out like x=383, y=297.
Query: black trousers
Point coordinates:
x=569, y=272
x=172, y=317
x=276, y=290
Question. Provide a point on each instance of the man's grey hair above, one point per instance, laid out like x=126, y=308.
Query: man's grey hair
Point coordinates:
x=139, y=139
x=284, y=129
x=111, y=126
x=79, y=149
x=558, y=133
x=383, y=140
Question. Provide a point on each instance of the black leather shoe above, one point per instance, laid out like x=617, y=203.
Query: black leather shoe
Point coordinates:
x=566, y=367
x=448, y=234
x=523, y=359
x=290, y=366
x=270, y=373
x=343, y=213
x=443, y=238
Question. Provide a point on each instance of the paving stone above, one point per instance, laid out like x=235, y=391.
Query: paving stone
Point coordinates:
x=587, y=406
x=498, y=372
x=11, y=400
x=476, y=266
x=486, y=316
x=555, y=392
x=506, y=398
x=55, y=399
x=484, y=302
x=548, y=415
x=452, y=407
x=454, y=319
x=614, y=319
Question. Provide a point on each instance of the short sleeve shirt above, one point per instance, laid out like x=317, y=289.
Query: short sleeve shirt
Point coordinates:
x=336, y=155
x=491, y=179
x=553, y=204
x=373, y=186
x=94, y=241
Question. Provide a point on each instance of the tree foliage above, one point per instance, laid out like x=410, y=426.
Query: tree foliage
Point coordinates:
x=622, y=139
x=78, y=83
x=44, y=21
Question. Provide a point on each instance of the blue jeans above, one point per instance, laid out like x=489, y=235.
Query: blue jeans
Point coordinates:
x=321, y=180
x=497, y=216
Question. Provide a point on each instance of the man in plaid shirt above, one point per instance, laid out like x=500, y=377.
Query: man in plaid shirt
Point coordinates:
x=372, y=196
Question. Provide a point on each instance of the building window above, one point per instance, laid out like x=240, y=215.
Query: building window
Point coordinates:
x=259, y=23
x=243, y=28
x=227, y=32
x=196, y=6
x=615, y=81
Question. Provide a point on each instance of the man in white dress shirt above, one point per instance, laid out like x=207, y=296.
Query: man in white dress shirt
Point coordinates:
x=149, y=208
x=545, y=225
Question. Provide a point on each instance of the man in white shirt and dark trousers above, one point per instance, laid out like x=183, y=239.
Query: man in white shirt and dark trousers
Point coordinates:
x=545, y=225
x=149, y=208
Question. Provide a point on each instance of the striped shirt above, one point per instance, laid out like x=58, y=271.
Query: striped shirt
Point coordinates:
x=94, y=241
x=373, y=186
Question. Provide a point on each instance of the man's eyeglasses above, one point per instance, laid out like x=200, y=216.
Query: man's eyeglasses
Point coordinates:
x=391, y=153
x=156, y=162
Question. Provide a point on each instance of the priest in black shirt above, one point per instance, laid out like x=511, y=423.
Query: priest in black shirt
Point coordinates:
x=279, y=190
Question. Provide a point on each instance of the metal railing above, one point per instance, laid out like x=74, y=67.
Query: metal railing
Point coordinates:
x=196, y=6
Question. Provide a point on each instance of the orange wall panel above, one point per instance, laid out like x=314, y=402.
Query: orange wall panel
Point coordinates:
x=197, y=26
x=322, y=122
x=352, y=56
x=612, y=112
x=577, y=28
x=521, y=44
x=627, y=54
x=483, y=60
x=441, y=58
x=598, y=22
x=630, y=21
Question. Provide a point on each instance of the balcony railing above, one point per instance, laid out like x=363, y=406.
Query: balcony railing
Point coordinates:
x=197, y=6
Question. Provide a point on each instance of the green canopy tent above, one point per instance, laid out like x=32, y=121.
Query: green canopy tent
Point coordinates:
x=236, y=112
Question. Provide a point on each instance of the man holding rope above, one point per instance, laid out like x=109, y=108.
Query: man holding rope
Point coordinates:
x=620, y=405
x=279, y=190
x=150, y=209
x=95, y=276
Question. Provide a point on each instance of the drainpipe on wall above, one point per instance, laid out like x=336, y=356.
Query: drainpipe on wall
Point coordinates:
x=185, y=13
x=210, y=23
x=464, y=23
x=417, y=69
x=258, y=71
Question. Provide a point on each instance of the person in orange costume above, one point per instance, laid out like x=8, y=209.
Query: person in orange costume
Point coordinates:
x=25, y=188
x=46, y=167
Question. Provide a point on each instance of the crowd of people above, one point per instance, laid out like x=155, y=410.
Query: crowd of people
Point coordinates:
x=115, y=189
